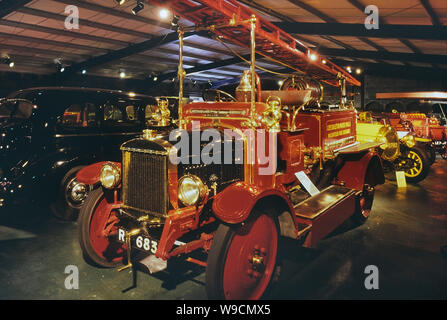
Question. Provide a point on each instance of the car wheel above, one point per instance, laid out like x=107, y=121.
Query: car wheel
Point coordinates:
x=419, y=168
x=71, y=195
x=431, y=153
x=97, y=231
x=363, y=205
x=242, y=260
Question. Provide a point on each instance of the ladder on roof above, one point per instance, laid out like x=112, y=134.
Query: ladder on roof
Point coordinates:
x=271, y=42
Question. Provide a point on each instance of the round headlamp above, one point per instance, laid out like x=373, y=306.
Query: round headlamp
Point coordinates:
x=191, y=190
x=110, y=176
x=409, y=140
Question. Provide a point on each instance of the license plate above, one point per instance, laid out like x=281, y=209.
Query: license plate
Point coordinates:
x=140, y=242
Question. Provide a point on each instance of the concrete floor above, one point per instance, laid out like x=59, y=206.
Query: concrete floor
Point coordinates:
x=402, y=238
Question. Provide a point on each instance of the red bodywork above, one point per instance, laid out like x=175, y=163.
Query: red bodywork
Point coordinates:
x=233, y=205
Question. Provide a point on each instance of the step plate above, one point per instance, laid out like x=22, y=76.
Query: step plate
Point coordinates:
x=314, y=206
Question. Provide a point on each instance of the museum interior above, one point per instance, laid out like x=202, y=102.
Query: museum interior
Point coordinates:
x=223, y=150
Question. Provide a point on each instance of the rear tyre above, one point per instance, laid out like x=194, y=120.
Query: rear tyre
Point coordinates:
x=97, y=231
x=242, y=259
x=70, y=197
x=431, y=153
x=363, y=205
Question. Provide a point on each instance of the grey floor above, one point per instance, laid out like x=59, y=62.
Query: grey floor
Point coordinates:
x=402, y=238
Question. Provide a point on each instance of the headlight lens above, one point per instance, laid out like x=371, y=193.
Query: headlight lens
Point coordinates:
x=191, y=190
x=409, y=140
x=110, y=176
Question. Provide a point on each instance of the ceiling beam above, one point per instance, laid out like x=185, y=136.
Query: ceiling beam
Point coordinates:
x=116, y=13
x=313, y=10
x=386, y=31
x=431, y=12
x=385, y=55
x=26, y=39
x=61, y=32
x=127, y=51
x=84, y=22
x=10, y=6
x=205, y=67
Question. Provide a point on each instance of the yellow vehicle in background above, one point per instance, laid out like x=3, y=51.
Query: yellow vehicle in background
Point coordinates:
x=400, y=150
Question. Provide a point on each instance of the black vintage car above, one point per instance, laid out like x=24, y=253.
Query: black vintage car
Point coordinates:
x=48, y=134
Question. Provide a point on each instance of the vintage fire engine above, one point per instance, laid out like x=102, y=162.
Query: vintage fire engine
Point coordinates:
x=427, y=127
x=400, y=150
x=147, y=205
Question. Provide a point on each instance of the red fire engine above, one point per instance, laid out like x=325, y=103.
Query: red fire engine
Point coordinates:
x=234, y=212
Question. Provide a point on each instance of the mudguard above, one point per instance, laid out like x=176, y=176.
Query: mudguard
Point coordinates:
x=90, y=174
x=234, y=204
x=361, y=169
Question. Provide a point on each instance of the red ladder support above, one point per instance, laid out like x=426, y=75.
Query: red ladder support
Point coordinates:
x=271, y=42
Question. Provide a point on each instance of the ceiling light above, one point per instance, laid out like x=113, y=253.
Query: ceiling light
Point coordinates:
x=132, y=94
x=11, y=64
x=120, y=2
x=349, y=69
x=164, y=13
x=323, y=61
x=155, y=78
x=84, y=71
x=280, y=83
x=313, y=57
x=138, y=8
x=122, y=74
x=358, y=71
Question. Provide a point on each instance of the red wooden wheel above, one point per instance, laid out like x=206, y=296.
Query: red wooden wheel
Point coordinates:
x=242, y=260
x=98, y=231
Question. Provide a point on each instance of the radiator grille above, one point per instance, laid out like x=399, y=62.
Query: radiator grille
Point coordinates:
x=145, y=185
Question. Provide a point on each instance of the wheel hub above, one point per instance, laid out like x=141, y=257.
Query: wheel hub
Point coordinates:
x=76, y=192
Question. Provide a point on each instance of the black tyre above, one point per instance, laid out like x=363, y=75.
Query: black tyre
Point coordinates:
x=70, y=197
x=420, y=168
x=97, y=231
x=243, y=259
x=363, y=205
x=431, y=153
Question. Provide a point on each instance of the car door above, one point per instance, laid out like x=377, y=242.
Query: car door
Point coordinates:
x=77, y=128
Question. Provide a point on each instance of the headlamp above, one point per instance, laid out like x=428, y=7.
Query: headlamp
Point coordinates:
x=409, y=140
x=110, y=176
x=191, y=190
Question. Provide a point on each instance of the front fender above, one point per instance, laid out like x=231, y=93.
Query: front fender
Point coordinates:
x=90, y=174
x=361, y=169
x=235, y=203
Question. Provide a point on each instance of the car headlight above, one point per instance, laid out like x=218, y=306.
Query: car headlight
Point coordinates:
x=191, y=190
x=110, y=176
x=409, y=140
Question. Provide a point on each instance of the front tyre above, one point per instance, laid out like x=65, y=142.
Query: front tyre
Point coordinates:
x=418, y=165
x=242, y=259
x=97, y=231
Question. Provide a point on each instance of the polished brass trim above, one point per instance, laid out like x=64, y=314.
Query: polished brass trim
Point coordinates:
x=156, y=214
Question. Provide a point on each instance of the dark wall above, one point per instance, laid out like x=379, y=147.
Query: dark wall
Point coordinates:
x=375, y=84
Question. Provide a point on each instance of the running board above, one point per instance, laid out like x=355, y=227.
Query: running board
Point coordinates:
x=324, y=212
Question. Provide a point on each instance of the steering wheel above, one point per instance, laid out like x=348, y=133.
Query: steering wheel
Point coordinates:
x=217, y=96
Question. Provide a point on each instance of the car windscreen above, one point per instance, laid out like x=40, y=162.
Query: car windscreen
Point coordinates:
x=15, y=108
